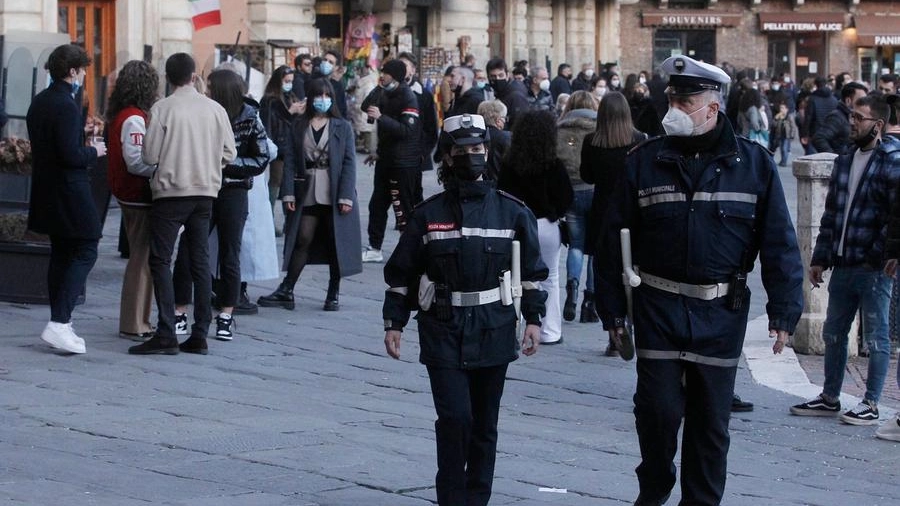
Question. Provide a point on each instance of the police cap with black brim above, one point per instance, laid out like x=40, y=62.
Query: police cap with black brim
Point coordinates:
x=688, y=76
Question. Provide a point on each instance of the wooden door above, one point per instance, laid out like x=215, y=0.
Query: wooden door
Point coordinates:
x=91, y=25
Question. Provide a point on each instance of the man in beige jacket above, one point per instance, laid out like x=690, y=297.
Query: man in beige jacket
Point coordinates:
x=189, y=137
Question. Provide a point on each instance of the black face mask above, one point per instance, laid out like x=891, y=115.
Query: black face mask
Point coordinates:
x=499, y=85
x=469, y=167
x=867, y=139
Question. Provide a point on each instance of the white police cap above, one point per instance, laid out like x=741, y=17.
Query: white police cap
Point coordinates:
x=465, y=129
x=688, y=76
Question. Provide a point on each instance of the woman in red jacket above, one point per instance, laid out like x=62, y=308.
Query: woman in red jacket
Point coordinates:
x=129, y=180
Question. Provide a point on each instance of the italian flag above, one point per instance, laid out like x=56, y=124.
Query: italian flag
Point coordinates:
x=205, y=13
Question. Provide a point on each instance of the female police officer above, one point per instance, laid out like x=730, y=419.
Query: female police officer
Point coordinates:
x=453, y=253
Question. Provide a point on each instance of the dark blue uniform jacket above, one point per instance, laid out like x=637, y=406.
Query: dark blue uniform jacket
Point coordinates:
x=697, y=232
x=463, y=238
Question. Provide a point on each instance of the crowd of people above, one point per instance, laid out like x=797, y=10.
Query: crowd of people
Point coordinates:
x=673, y=156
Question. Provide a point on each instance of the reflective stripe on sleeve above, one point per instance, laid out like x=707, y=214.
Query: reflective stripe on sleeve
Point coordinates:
x=402, y=290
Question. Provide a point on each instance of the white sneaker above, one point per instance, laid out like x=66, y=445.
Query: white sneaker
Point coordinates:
x=181, y=324
x=61, y=337
x=890, y=430
x=372, y=255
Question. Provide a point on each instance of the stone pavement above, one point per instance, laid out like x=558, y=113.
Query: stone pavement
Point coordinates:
x=304, y=408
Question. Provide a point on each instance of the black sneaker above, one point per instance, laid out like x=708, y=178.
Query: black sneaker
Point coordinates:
x=156, y=346
x=739, y=405
x=865, y=413
x=817, y=407
x=224, y=322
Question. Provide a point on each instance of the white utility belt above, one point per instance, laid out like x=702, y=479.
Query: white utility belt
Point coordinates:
x=703, y=292
x=466, y=299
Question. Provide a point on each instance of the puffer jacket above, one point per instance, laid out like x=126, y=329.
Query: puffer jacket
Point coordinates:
x=571, y=131
x=251, y=144
x=399, y=127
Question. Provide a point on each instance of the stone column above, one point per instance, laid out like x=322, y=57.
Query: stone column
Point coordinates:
x=283, y=19
x=540, y=32
x=813, y=173
x=40, y=16
x=464, y=17
x=580, y=25
x=175, y=31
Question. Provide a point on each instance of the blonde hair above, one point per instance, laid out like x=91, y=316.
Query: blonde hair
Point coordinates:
x=492, y=110
x=581, y=100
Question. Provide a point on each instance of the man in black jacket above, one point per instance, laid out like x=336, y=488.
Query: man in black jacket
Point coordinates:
x=398, y=178
x=61, y=203
x=511, y=92
x=834, y=134
x=820, y=103
x=427, y=113
x=560, y=84
x=467, y=96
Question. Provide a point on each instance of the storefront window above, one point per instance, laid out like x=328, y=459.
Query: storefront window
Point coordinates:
x=698, y=44
x=779, y=56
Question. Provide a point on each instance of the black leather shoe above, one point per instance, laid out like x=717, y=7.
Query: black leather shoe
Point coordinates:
x=331, y=298
x=551, y=343
x=244, y=306
x=740, y=406
x=282, y=297
x=156, y=346
x=571, y=300
x=194, y=345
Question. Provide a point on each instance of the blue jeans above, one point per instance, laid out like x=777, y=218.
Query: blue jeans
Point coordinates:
x=785, y=149
x=576, y=220
x=852, y=289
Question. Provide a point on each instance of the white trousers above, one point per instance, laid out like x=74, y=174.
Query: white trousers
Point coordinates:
x=548, y=236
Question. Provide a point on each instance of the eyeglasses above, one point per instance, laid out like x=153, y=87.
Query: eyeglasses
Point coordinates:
x=857, y=117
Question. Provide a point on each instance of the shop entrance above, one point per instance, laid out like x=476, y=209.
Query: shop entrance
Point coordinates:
x=779, y=56
x=698, y=44
x=812, y=57
x=91, y=25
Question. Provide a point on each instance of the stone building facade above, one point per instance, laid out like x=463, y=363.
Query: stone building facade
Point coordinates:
x=801, y=37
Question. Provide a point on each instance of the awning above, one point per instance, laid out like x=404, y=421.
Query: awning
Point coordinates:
x=677, y=18
x=801, y=21
x=877, y=30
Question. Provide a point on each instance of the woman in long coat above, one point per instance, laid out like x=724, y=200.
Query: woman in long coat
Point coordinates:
x=322, y=224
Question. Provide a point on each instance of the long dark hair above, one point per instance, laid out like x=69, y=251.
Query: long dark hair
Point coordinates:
x=136, y=85
x=614, y=126
x=316, y=87
x=227, y=88
x=273, y=87
x=533, y=146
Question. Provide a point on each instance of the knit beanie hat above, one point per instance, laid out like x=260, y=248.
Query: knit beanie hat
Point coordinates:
x=395, y=69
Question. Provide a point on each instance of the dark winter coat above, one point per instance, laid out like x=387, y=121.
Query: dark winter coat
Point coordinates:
x=61, y=200
x=399, y=127
x=342, y=173
x=819, y=104
x=834, y=135
x=462, y=238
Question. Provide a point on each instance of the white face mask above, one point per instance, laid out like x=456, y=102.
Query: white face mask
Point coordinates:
x=678, y=123
x=776, y=87
x=642, y=80
x=589, y=73
x=545, y=85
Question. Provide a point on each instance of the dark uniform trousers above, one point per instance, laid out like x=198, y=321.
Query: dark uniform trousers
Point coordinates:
x=71, y=260
x=467, y=402
x=667, y=391
x=400, y=189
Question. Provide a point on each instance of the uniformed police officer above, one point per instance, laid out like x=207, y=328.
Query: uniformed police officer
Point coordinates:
x=711, y=201
x=453, y=253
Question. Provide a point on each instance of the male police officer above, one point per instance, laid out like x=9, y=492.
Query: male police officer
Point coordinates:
x=711, y=201
x=453, y=253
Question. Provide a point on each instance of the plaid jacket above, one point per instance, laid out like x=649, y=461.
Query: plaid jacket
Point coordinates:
x=869, y=211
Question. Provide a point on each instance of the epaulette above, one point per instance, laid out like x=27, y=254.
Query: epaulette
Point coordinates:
x=645, y=142
x=429, y=199
x=510, y=196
